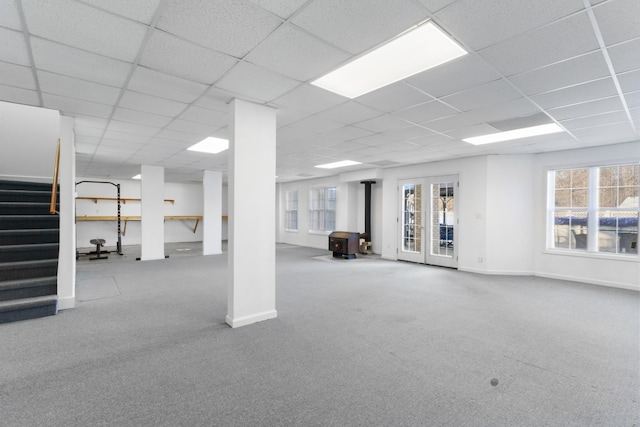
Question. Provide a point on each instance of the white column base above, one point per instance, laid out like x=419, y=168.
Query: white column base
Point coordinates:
x=66, y=303
x=248, y=320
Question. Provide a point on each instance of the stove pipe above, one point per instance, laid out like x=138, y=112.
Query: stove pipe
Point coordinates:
x=367, y=209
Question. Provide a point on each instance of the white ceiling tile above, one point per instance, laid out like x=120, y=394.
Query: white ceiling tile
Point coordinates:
x=282, y=8
x=407, y=133
x=585, y=109
x=75, y=88
x=625, y=56
x=136, y=129
x=630, y=81
x=216, y=99
x=597, y=120
x=13, y=48
x=139, y=117
x=19, y=95
x=350, y=112
x=373, y=140
x=250, y=80
x=169, y=54
x=114, y=143
x=310, y=99
x=193, y=127
x=577, y=70
x=317, y=124
x=436, y=5
x=354, y=28
x=77, y=63
x=393, y=97
x=479, y=23
x=520, y=107
x=597, y=89
x=609, y=134
x=89, y=121
x=152, y=82
x=85, y=27
x=151, y=104
x=455, y=76
x=87, y=132
x=448, y=124
x=471, y=131
x=179, y=136
x=139, y=10
x=427, y=111
x=618, y=20
x=345, y=133
x=16, y=75
x=484, y=95
x=167, y=144
x=205, y=116
x=296, y=54
x=233, y=27
x=70, y=106
x=383, y=123
x=10, y=16
x=632, y=99
x=569, y=37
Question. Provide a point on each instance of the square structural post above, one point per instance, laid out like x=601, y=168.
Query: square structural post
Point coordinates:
x=251, y=294
x=152, y=212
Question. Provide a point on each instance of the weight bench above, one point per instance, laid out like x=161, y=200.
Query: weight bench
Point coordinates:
x=99, y=244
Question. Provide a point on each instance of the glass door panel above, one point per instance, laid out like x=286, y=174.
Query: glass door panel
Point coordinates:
x=411, y=222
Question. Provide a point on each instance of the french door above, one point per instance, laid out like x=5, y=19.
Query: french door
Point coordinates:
x=428, y=221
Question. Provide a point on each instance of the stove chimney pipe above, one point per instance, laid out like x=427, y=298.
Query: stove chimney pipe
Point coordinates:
x=367, y=209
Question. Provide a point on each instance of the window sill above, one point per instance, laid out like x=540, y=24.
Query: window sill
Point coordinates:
x=319, y=232
x=290, y=230
x=594, y=255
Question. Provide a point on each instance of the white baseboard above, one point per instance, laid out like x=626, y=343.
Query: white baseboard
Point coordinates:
x=248, y=320
x=66, y=303
x=590, y=281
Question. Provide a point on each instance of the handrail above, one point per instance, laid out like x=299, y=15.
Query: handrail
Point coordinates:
x=54, y=186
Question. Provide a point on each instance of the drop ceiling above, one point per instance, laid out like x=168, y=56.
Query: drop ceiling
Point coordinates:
x=147, y=79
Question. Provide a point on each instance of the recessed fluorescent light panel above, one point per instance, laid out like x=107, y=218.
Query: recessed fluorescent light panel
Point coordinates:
x=418, y=49
x=514, y=134
x=210, y=145
x=340, y=164
x=137, y=177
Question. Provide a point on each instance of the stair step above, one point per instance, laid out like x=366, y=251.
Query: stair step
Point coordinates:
x=29, y=252
x=24, y=237
x=25, y=185
x=25, y=208
x=18, y=270
x=25, y=195
x=28, y=288
x=14, y=222
x=28, y=308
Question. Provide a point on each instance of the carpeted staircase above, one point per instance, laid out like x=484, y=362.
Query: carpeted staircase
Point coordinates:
x=29, y=237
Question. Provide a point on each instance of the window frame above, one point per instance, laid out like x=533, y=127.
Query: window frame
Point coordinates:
x=290, y=211
x=593, y=212
x=325, y=207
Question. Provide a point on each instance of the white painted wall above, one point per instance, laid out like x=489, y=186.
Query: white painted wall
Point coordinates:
x=598, y=269
x=30, y=137
x=67, y=250
x=152, y=218
x=188, y=201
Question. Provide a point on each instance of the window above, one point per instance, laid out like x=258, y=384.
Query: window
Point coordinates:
x=322, y=209
x=595, y=209
x=291, y=210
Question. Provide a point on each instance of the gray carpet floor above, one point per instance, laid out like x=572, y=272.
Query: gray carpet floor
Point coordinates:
x=363, y=342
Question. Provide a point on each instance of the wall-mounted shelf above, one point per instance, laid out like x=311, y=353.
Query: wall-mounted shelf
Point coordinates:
x=126, y=218
x=124, y=200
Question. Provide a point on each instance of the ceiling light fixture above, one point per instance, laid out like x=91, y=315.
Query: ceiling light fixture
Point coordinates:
x=417, y=49
x=339, y=164
x=210, y=145
x=514, y=134
x=137, y=177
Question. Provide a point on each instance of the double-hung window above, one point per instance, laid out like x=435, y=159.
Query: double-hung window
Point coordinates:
x=291, y=211
x=322, y=209
x=595, y=209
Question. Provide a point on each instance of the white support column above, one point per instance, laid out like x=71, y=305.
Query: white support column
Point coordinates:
x=67, y=251
x=152, y=212
x=212, y=219
x=251, y=294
